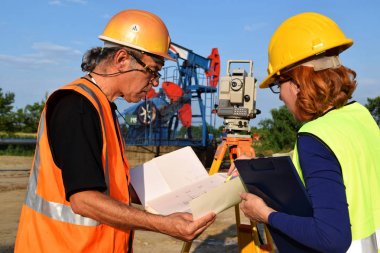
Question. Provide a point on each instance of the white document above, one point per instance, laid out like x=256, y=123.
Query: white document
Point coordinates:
x=178, y=182
x=219, y=198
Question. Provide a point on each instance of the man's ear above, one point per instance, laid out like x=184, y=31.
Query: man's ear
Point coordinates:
x=121, y=59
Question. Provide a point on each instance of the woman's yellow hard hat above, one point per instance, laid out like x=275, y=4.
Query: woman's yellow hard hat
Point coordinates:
x=300, y=37
x=138, y=29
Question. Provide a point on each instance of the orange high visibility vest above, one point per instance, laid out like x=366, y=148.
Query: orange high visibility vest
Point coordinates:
x=47, y=222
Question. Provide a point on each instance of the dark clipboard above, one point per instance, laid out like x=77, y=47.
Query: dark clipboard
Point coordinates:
x=276, y=181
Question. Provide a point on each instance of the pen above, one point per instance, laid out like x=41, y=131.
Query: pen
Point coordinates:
x=230, y=176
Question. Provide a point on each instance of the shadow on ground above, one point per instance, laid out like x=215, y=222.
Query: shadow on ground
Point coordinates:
x=6, y=248
x=225, y=241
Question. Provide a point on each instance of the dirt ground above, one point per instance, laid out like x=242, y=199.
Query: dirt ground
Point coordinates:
x=14, y=172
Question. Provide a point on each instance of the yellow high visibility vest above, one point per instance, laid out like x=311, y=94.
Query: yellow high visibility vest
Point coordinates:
x=354, y=137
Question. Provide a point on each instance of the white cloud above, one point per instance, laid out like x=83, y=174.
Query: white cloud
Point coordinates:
x=62, y=2
x=49, y=48
x=77, y=1
x=55, y=2
x=45, y=54
x=27, y=59
x=254, y=27
x=106, y=16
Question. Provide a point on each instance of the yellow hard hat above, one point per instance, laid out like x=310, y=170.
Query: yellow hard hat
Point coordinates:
x=300, y=37
x=138, y=29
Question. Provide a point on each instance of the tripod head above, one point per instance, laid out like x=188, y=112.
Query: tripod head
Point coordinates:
x=237, y=98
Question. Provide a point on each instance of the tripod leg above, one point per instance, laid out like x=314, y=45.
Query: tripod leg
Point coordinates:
x=218, y=158
x=249, y=239
x=186, y=247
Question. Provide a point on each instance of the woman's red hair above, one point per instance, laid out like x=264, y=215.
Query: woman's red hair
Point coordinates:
x=318, y=90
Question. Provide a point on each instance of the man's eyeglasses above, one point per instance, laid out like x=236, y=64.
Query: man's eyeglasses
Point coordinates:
x=156, y=75
x=275, y=86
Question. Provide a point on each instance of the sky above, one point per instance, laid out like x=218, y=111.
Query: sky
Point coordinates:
x=42, y=41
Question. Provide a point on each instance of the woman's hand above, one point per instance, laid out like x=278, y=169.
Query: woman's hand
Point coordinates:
x=255, y=208
x=232, y=170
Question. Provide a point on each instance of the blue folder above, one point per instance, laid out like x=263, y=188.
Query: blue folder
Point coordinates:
x=276, y=181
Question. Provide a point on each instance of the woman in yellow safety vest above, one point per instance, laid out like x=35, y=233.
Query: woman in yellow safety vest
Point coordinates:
x=337, y=154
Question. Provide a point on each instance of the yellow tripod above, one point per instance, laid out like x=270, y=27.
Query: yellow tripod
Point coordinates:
x=248, y=234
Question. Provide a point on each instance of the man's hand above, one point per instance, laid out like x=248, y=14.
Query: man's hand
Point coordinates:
x=183, y=227
x=109, y=211
x=255, y=208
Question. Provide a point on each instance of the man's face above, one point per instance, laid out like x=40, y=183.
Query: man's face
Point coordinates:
x=141, y=80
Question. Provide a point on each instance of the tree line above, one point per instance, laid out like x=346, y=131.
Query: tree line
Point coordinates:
x=24, y=120
x=276, y=134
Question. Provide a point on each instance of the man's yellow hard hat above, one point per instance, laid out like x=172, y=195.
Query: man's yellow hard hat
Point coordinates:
x=138, y=29
x=300, y=37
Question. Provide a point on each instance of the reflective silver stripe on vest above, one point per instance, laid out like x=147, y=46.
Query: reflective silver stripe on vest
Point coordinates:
x=366, y=245
x=54, y=210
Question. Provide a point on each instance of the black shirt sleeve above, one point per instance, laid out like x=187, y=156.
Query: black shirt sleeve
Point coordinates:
x=75, y=139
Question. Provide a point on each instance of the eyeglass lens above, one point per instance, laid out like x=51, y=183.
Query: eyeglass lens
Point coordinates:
x=275, y=86
x=155, y=74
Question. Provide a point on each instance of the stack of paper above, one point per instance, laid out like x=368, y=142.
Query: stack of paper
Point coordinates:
x=178, y=182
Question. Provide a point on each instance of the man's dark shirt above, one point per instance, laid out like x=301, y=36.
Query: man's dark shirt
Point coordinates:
x=75, y=138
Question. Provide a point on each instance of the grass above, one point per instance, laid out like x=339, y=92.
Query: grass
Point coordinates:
x=17, y=135
x=17, y=149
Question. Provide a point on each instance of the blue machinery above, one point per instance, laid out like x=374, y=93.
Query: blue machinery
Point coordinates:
x=159, y=120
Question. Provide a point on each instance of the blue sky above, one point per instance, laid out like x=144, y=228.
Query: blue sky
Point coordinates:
x=42, y=41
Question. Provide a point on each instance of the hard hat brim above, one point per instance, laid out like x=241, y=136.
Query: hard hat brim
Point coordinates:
x=123, y=43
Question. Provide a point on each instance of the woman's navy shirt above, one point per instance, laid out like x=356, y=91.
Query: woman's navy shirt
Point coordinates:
x=329, y=230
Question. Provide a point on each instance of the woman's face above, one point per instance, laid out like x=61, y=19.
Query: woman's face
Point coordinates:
x=288, y=94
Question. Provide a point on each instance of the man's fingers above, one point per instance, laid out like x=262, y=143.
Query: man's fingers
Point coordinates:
x=209, y=219
x=244, y=195
x=204, y=219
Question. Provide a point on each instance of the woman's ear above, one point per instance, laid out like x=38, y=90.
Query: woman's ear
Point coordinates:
x=295, y=88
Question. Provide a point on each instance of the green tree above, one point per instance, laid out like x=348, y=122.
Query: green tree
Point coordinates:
x=31, y=116
x=280, y=132
x=23, y=120
x=373, y=105
x=196, y=131
x=6, y=114
x=18, y=123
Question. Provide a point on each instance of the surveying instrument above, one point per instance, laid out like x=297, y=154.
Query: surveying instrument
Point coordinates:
x=237, y=106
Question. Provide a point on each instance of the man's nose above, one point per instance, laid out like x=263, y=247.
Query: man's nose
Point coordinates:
x=154, y=81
